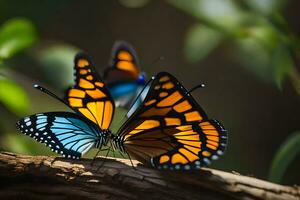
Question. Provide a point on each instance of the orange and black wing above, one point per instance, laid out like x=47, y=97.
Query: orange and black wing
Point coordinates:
x=89, y=95
x=124, y=64
x=170, y=130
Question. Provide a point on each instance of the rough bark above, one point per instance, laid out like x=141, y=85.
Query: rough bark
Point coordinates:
x=37, y=177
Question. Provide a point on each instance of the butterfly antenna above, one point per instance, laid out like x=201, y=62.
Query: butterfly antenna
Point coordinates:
x=46, y=91
x=138, y=97
x=196, y=87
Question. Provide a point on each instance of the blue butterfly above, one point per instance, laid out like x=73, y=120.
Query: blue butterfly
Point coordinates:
x=73, y=134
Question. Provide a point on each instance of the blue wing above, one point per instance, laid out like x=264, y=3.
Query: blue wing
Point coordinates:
x=124, y=93
x=65, y=133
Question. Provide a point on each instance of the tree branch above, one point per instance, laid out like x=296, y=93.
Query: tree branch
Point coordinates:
x=36, y=177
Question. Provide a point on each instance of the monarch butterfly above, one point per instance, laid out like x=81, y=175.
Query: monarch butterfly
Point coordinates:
x=123, y=77
x=169, y=130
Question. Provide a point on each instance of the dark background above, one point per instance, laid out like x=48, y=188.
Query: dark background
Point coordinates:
x=258, y=115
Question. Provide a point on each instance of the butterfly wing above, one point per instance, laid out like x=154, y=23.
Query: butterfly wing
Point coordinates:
x=124, y=64
x=171, y=130
x=66, y=133
x=123, y=77
x=89, y=96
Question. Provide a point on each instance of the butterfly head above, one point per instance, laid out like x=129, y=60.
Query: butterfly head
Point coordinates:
x=141, y=79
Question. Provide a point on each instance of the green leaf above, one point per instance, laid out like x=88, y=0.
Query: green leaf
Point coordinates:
x=271, y=65
x=13, y=97
x=15, y=36
x=284, y=156
x=264, y=52
x=254, y=57
x=200, y=41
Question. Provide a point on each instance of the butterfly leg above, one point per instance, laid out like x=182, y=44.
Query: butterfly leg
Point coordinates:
x=94, y=159
x=103, y=160
x=114, y=155
x=121, y=153
x=52, y=162
x=131, y=161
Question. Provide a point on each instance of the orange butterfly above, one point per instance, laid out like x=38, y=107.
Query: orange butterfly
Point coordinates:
x=170, y=130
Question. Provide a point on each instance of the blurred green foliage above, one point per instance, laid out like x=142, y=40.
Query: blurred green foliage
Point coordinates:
x=16, y=35
x=56, y=58
x=254, y=27
x=201, y=40
x=284, y=156
x=13, y=97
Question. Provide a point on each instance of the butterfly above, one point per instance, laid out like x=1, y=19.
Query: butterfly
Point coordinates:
x=123, y=77
x=169, y=130
x=73, y=134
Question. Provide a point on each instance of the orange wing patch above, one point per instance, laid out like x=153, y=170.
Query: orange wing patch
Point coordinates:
x=183, y=106
x=89, y=96
x=164, y=159
x=83, y=83
x=164, y=79
x=170, y=100
x=124, y=55
x=172, y=121
x=125, y=62
x=82, y=63
x=192, y=116
x=178, y=158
